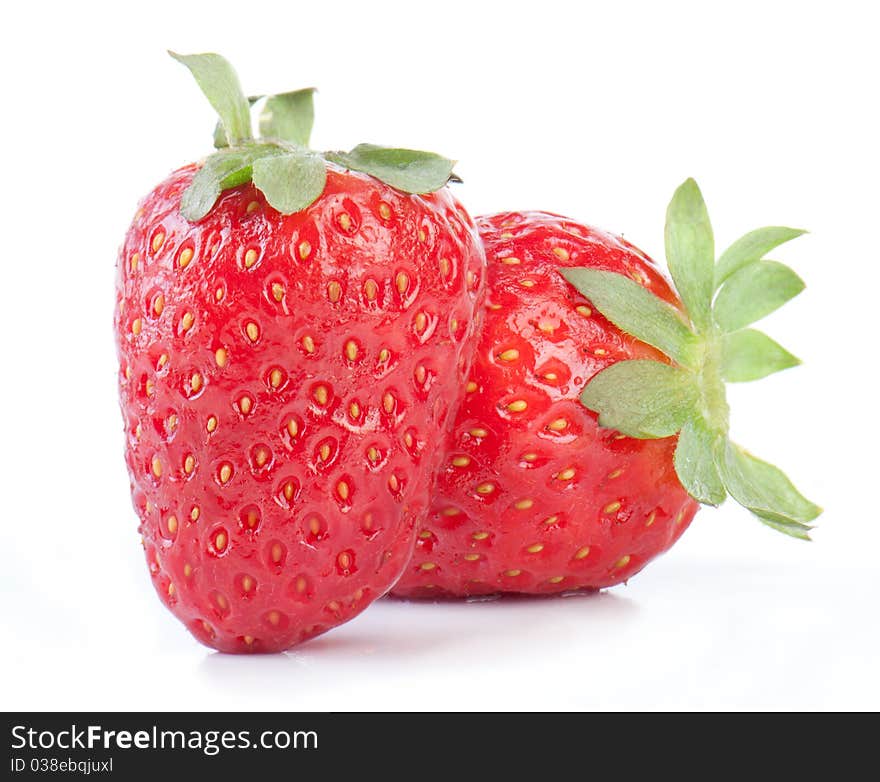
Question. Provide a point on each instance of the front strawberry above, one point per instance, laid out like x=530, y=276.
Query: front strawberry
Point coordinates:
x=293, y=334
x=563, y=470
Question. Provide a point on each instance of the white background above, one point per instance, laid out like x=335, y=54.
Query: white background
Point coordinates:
x=597, y=110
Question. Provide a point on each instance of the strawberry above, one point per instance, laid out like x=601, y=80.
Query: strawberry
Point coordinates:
x=565, y=468
x=293, y=330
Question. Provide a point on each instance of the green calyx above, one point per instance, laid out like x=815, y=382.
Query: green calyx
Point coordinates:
x=279, y=162
x=710, y=344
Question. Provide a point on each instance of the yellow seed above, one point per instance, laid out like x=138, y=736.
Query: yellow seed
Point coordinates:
x=195, y=513
x=150, y=387
x=512, y=573
x=535, y=548
x=611, y=507
x=276, y=553
x=158, y=304
x=509, y=355
x=245, y=404
x=345, y=221
x=225, y=473
x=138, y=431
x=321, y=395
x=600, y=352
x=250, y=258
x=582, y=553
x=136, y=326
x=420, y=374
x=189, y=464
x=471, y=557
x=408, y=440
x=388, y=403
x=558, y=425
x=547, y=326
x=351, y=350
x=471, y=387
x=453, y=325
x=402, y=282
x=292, y=427
x=680, y=517
x=186, y=321
x=507, y=235
x=354, y=410
x=511, y=261
x=551, y=376
x=187, y=570
x=428, y=565
x=530, y=457
x=494, y=306
x=478, y=432
x=555, y=579
x=301, y=584
x=384, y=210
x=623, y=561
x=288, y=491
x=451, y=511
x=422, y=235
x=221, y=356
x=156, y=467
x=247, y=583
x=185, y=257
x=582, y=309
x=615, y=473
x=172, y=524
x=252, y=330
x=373, y=454
x=252, y=207
x=308, y=344
x=342, y=490
x=219, y=294
x=566, y=475
x=384, y=355
x=334, y=291
x=561, y=253
x=445, y=267
x=551, y=519
x=393, y=483
x=527, y=283
x=480, y=535
x=425, y=534
x=171, y=590
x=276, y=376
x=652, y=517
x=485, y=488
x=371, y=290
x=524, y=504
x=324, y=452
x=304, y=250
x=211, y=425
x=277, y=291
x=517, y=406
x=135, y=259
x=461, y=461
x=261, y=457
x=163, y=360
x=220, y=541
x=421, y=322
x=158, y=241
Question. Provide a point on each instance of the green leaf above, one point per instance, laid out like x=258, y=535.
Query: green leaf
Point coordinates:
x=753, y=292
x=750, y=355
x=637, y=311
x=219, y=83
x=220, y=140
x=695, y=463
x=405, y=169
x=690, y=251
x=644, y=399
x=752, y=247
x=762, y=488
x=786, y=526
x=290, y=182
x=289, y=117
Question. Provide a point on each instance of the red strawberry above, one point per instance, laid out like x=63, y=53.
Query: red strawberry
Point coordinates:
x=536, y=496
x=289, y=358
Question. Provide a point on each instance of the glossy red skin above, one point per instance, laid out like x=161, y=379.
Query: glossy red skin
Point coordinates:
x=290, y=567
x=481, y=543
